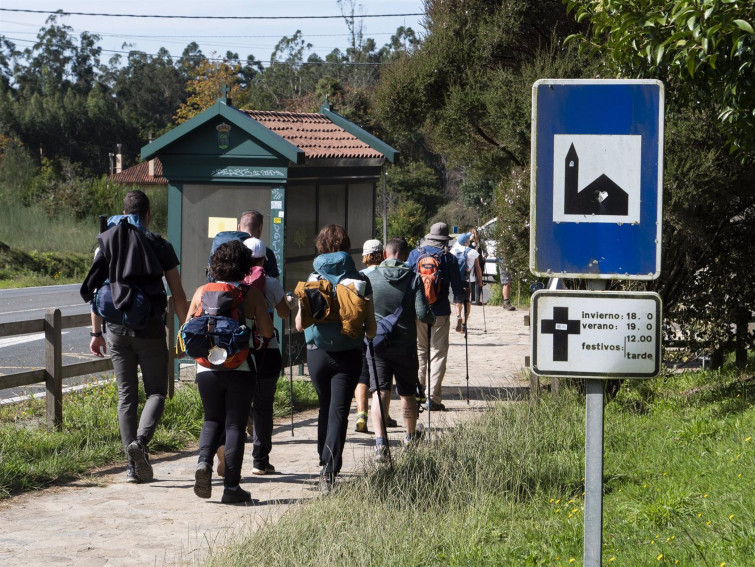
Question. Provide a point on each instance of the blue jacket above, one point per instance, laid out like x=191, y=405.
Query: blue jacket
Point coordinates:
x=449, y=277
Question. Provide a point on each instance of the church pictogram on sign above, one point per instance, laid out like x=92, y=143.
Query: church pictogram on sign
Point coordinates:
x=601, y=197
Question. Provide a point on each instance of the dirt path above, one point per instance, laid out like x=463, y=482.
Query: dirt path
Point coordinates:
x=102, y=520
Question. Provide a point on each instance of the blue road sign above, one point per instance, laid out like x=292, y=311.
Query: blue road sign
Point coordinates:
x=597, y=177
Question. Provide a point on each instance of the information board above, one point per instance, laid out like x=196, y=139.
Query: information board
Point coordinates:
x=596, y=334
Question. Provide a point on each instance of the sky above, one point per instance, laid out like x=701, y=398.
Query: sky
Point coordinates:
x=245, y=37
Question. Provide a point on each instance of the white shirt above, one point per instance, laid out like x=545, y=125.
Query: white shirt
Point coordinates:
x=472, y=255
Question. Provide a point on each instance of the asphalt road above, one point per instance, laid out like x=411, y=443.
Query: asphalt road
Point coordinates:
x=26, y=352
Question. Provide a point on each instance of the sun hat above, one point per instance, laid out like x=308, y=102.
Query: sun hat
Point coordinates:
x=438, y=231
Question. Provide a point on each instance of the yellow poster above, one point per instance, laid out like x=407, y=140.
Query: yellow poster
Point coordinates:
x=220, y=224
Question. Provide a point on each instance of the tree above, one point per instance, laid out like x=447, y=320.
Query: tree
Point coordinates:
x=205, y=86
x=703, y=50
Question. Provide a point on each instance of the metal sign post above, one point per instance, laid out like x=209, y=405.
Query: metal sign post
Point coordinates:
x=595, y=213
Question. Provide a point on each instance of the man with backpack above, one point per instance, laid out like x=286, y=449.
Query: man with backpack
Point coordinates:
x=399, y=297
x=131, y=262
x=439, y=272
x=250, y=225
x=470, y=273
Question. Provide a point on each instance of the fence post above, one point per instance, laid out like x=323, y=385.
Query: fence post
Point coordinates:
x=170, y=338
x=54, y=368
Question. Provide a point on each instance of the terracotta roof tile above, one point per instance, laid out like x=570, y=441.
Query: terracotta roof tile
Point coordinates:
x=139, y=175
x=315, y=134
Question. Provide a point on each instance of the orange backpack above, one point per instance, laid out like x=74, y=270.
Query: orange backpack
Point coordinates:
x=220, y=311
x=428, y=268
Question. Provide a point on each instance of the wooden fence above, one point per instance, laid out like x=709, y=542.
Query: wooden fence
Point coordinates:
x=54, y=371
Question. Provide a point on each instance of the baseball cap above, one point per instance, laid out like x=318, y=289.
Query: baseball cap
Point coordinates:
x=256, y=246
x=372, y=246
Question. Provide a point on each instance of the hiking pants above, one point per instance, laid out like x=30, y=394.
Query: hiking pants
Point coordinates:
x=226, y=397
x=335, y=376
x=438, y=355
x=151, y=354
x=268, y=372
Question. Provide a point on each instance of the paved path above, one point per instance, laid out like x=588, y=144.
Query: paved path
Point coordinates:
x=102, y=520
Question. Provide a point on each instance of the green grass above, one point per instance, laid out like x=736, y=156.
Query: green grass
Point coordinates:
x=31, y=457
x=507, y=488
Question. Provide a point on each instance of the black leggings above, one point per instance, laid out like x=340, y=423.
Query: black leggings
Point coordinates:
x=335, y=376
x=268, y=370
x=226, y=397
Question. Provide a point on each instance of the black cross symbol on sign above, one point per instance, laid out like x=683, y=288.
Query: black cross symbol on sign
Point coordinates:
x=560, y=327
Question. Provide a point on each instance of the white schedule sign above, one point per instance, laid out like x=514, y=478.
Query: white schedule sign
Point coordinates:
x=596, y=334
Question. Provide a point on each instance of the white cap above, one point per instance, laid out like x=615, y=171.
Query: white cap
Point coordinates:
x=256, y=246
x=371, y=246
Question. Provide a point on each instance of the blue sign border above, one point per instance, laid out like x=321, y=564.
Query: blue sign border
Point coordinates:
x=596, y=250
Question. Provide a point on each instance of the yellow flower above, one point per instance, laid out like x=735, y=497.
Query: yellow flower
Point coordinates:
x=574, y=510
x=551, y=501
x=611, y=559
x=705, y=495
x=739, y=475
x=707, y=523
x=660, y=557
x=557, y=501
x=730, y=517
x=722, y=564
x=748, y=439
x=571, y=560
x=699, y=515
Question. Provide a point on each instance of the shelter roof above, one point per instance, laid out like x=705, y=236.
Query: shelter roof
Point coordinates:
x=139, y=175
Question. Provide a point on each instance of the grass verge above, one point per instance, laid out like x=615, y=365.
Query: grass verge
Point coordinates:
x=31, y=457
x=507, y=489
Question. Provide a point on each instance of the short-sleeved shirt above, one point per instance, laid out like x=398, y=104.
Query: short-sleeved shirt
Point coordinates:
x=472, y=255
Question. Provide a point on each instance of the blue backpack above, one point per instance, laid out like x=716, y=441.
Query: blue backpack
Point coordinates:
x=464, y=269
x=137, y=313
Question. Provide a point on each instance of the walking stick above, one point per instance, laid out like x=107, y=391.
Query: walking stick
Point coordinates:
x=484, y=322
x=427, y=393
x=380, y=402
x=466, y=356
x=291, y=369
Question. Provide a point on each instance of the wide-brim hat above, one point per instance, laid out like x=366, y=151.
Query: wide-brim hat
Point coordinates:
x=438, y=231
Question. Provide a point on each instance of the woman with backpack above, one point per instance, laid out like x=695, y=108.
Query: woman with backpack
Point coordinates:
x=334, y=329
x=227, y=387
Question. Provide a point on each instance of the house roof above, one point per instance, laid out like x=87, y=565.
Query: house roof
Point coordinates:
x=315, y=133
x=139, y=175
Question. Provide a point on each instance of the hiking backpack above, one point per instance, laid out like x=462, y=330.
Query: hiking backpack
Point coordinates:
x=428, y=268
x=217, y=325
x=461, y=258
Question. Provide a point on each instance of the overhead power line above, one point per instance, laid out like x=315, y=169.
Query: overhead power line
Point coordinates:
x=177, y=17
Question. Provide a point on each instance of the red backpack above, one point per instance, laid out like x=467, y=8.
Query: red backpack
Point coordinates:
x=221, y=301
x=428, y=268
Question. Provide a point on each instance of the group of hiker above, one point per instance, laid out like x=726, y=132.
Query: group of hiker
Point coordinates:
x=366, y=332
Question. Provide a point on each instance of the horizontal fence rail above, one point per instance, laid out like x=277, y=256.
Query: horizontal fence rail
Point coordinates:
x=54, y=371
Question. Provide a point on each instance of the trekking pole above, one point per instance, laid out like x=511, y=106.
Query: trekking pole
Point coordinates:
x=291, y=369
x=484, y=322
x=380, y=402
x=427, y=393
x=467, y=309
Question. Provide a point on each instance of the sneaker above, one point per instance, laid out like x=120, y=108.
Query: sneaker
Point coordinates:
x=235, y=495
x=435, y=406
x=459, y=324
x=268, y=469
x=203, y=479
x=507, y=305
x=390, y=422
x=131, y=474
x=221, y=461
x=362, y=422
x=139, y=455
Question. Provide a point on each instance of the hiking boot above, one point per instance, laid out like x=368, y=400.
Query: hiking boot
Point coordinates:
x=131, y=473
x=507, y=305
x=459, y=324
x=327, y=483
x=138, y=453
x=362, y=422
x=435, y=406
x=411, y=439
x=263, y=470
x=221, y=461
x=235, y=495
x=390, y=422
x=203, y=480
x=381, y=450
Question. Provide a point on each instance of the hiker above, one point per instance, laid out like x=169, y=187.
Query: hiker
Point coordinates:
x=395, y=284
x=268, y=361
x=250, y=225
x=445, y=270
x=334, y=339
x=372, y=255
x=134, y=260
x=505, y=287
x=469, y=270
x=227, y=392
